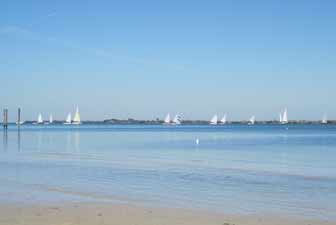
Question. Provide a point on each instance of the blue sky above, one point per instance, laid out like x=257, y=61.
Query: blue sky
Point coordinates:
x=142, y=59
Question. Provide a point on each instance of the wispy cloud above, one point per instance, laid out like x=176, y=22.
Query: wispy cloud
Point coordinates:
x=29, y=34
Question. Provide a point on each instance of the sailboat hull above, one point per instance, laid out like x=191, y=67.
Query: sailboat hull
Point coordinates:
x=214, y=120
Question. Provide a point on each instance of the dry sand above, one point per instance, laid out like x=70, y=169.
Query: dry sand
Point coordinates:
x=127, y=214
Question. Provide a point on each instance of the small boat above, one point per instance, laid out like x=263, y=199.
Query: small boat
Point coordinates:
x=214, y=120
x=50, y=120
x=77, y=120
x=252, y=120
x=223, y=120
x=19, y=122
x=167, y=119
x=284, y=117
x=39, y=119
x=68, y=119
x=177, y=120
x=325, y=119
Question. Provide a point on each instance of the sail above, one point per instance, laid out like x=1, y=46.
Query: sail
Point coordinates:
x=39, y=119
x=177, y=120
x=280, y=118
x=285, y=117
x=167, y=119
x=77, y=117
x=51, y=119
x=214, y=120
x=223, y=120
x=252, y=120
x=68, y=119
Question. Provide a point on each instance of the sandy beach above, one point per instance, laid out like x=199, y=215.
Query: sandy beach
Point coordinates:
x=127, y=214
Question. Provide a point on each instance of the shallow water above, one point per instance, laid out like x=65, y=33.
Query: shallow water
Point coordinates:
x=235, y=168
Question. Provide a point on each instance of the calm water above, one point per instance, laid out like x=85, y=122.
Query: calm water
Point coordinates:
x=235, y=168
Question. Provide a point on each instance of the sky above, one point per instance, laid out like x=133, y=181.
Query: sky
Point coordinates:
x=143, y=59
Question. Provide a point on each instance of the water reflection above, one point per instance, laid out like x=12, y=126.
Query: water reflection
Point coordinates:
x=77, y=141
x=5, y=139
x=19, y=139
x=72, y=143
x=68, y=141
x=39, y=140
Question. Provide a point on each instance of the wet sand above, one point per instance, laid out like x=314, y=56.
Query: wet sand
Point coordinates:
x=127, y=214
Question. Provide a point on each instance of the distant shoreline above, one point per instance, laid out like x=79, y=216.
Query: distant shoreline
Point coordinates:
x=184, y=122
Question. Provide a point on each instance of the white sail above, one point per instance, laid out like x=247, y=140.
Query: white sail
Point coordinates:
x=214, y=120
x=51, y=120
x=252, y=120
x=285, y=117
x=177, y=120
x=77, y=119
x=68, y=119
x=167, y=119
x=223, y=120
x=39, y=119
x=325, y=119
x=280, y=118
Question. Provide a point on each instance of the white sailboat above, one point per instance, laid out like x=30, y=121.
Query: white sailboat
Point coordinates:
x=252, y=120
x=167, y=119
x=68, y=119
x=39, y=119
x=77, y=119
x=177, y=119
x=284, y=117
x=224, y=120
x=325, y=119
x=19, y=122
x=50, y=120
x=214, y=120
